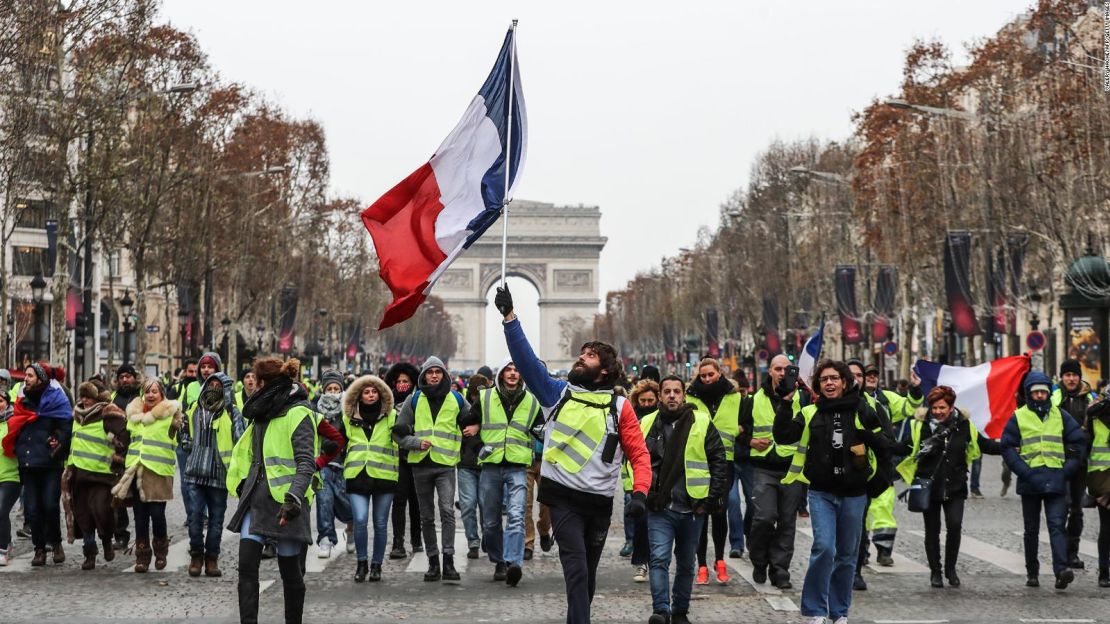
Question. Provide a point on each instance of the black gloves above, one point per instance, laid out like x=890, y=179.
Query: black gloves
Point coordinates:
x=329, y=447
x=637, y=507
x=503, y=300
x=290, y=509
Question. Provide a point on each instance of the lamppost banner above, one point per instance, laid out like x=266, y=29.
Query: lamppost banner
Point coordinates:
x=845, y=283
x=288, y=319
x=957, y=283
x=771, y=325
x=883, y=305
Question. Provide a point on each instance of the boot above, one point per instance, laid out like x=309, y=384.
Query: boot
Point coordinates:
x=40, y=557
x=499, y=571
x=375, y=572
x=360, y=571
x=211, y=565
x=950, y=574
x=142, y=555
x=1064, y=578
x=250, y=556
x=161, y=547
x=1104, y=577
x=196, y=562
x=90, y=557
x=935, y=579
x=858, y=583
x=59, y=554
x=449, y=573
x=292, y=581
x=109, y=550
x=122, y=539
x=398, y=551
x=433, y=569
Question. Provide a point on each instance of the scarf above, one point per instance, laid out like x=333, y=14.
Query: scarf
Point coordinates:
x=271, y=400
x=711, y=394
x=369, y=414
x=643, y=410
x=331, y=406
x=91, y=414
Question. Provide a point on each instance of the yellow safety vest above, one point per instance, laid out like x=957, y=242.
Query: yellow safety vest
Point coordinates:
x=509, y=438
x=694, y=460
x=378, y=456
x=442, y=431
x=578, y=431
x=89, y=448
x=1100, y=447
x=796, y=472
x=9, y=466
x=763, y=423
x=221, y=426
x=908, y=466
x=1042, y=441
x=277, y=452
x=152, y=446
x=726, y=420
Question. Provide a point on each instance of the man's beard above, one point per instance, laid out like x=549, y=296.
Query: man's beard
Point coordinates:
x=583, y=375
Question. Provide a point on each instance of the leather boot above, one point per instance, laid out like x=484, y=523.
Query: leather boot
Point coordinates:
x=935, y=579
x=161, y=547
x=90, y=557
x=59, y=553
x=211, y=565
x=39, y=558
x=449, y=573
x=250, y=556
x=196, y=562
x=142, y=555
x=109, y=550
x=292, y=581
x=1104, y=577
x=433, y=569
x=375, y=572
x=361, y=568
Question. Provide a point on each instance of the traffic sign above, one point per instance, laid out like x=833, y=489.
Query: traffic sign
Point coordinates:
x=1035, y=340
x=762, y=354
x=152, y=329
x=890, y=348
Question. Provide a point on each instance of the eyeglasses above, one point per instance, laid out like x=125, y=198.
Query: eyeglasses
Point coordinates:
x=829, y=378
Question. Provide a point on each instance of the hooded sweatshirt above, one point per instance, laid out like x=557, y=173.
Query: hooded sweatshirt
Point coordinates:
x=510, y=399
x=437, y=394
x=192, y=390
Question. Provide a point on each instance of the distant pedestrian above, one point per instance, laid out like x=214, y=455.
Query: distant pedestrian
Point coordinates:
x=401, y=379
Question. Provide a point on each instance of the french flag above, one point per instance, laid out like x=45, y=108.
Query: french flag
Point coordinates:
x=421, y=225
x=810, y=353
x=987, y=393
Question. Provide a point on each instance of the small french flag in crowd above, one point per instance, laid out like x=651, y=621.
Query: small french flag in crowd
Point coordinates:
x=421, y=225
x=987, y=393
x=810, y=352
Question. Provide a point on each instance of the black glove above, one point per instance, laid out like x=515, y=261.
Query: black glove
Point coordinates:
x=329, y=447
x=290, y=509
x=503, y=300
x=637, y=507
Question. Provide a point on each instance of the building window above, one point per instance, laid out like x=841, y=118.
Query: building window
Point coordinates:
x=29, y=261
x=34, y=213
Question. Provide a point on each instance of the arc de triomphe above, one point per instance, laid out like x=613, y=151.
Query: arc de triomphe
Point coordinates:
x=556, y=248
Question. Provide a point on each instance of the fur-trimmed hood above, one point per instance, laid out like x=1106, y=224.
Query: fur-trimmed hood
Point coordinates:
x=166, y=409
x=350, y=397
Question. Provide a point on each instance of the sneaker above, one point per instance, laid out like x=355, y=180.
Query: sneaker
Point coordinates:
x=546, y=542
x=976, y=494
x=472, y=552
x=1064, y=578
x=841, y=620
x=626, y=550
x=722, y=572
x=703, y=576
x=641, y=574
x=323, y=550
x=817, y=619
x=736, y=554
x=5, y=555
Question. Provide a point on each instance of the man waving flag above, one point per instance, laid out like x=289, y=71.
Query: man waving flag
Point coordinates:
x=421, y=225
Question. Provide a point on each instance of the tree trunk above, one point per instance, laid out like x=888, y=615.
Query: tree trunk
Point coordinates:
x=909, y=324
x=140, y=316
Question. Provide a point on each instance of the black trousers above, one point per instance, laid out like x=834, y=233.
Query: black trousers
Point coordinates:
x=42, y=504
x=719, y=519
x=1077, y=487
x=1103, y=537
x=581, y=535
x=406, y=496
x=953, y=511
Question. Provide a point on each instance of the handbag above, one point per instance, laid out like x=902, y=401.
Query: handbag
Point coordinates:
x=919, y=494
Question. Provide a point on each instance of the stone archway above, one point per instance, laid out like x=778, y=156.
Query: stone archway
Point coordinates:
x=557, y=249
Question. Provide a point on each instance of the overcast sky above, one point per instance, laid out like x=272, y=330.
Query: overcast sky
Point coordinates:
x=652, y=112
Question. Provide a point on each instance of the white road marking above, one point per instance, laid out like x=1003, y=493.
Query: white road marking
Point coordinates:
x=264, y=585
x=773, y=595
x=1086, y=547
x=1008, y=561
x=902, y=563
x=315, y=565
x=1062, y=620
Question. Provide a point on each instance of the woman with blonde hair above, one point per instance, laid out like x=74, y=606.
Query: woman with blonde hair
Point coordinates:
x=153, y=422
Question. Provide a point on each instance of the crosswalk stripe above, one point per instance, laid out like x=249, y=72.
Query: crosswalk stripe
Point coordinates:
x=1008, y=561
x=902, y=563
x=1086, y=547
x=773, y=595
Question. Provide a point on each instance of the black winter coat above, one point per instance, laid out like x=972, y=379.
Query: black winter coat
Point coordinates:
x=950, y=478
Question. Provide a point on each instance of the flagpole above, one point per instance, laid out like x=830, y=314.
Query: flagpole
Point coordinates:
x=508, y=156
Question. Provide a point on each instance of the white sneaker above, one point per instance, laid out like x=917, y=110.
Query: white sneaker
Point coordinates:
x=842, y=620
x=323, y=550
x=641, y=574
x=817, y=619
x=5, y=555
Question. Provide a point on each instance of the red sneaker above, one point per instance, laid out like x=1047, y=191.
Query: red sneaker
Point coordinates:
x=722, y=572
x=703, y=576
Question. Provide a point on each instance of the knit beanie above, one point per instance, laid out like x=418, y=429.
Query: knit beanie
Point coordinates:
x=1070, y=366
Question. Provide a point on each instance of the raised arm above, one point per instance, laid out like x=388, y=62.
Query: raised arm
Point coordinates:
x=540, y=383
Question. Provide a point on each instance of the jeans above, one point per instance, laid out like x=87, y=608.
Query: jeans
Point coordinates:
x=360, y=510
x=503, y=488
x=774, y=516
x=667, y=531
x=739, y=525
x=468, y=504
x=1055, y=513
x=953, y=510
x=148, y=516
x=976, y=472
x=210, y=501
x=434, y=482
x=837, y=523
x=42, y=504
x=405, y=497
x=9, y=494
x=580, y=534
x=187, y=489
x=332, y=502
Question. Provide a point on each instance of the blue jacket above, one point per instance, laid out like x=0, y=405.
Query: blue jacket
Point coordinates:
x=55, y=420
x=1043, y=480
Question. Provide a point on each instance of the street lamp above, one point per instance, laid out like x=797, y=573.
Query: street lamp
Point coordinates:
x=125, y=304
x=38, y=291
x=226, y=324
x=259, y=332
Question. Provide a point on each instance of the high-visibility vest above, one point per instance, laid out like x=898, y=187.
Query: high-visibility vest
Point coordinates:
x=908, y=466
x=899, y=407
x=763, y=423
x=694, y=460
x=221, y=426
x=796, y=472
x=1042, y=441
x=1058, y=398
x=508, y=437
x=578, y=432
x=726, y=420
x=89, y=448
x=9, y=466
x=1100, y=447
x=152, y=446
x=378, y=456
x=442, y=431
x=277, y=454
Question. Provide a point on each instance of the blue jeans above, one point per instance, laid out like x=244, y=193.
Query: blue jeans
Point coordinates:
x=214, y=500
x=467, y=492
x=667, y=531
x=503, y=487
x=1055, y=514
x=187, y=489
x=360, y=509
x=976, y=470
x=332, y=503
x=286, y=547
x=837, y=524
x=743, y=475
